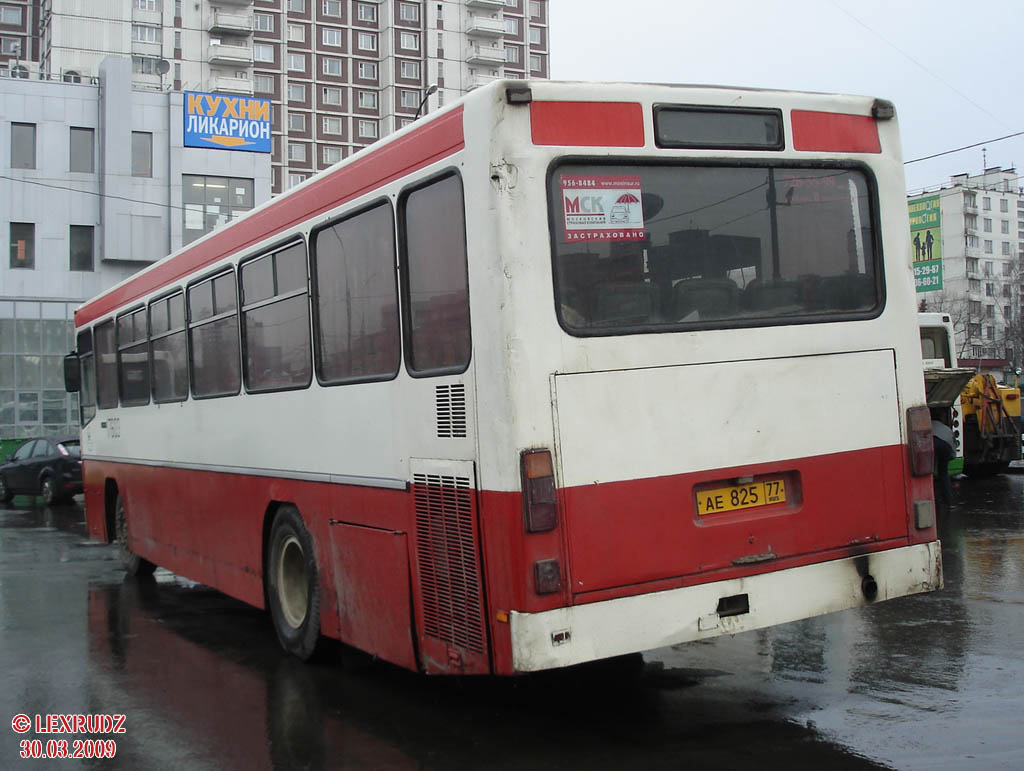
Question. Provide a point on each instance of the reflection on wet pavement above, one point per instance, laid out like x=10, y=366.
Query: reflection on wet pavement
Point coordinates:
x=923, y=682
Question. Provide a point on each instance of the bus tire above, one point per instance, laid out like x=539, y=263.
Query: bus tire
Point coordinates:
x=133, y=564
x=292, y=583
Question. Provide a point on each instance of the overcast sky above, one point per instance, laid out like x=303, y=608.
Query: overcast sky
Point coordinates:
x=951, y=67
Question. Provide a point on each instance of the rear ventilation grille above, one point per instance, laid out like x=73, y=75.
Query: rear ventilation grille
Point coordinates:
x=448, y=566
x=451, y=411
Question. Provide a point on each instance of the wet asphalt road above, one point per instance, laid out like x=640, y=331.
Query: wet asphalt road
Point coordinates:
x=935, y=681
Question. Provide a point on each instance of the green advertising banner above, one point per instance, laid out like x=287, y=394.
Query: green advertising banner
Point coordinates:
x=926, y=242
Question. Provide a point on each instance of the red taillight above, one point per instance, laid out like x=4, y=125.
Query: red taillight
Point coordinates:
x=539, y=507
x=919, y=431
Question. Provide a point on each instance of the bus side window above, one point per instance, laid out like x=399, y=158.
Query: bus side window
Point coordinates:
x=170, y=364
x=106, y=365
x=435, y=281
x=275, y=321
x=213, y=337
x=133, y=358
x=87, y=394
x=356, y=298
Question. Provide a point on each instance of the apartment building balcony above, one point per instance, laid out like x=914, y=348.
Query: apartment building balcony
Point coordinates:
x=149, y=18
x=970, y=209
x=148, y=50
x=235, y=55
x=487, y=5
x=235, y=2
x=477, y=81
x=484, y=26
x=226, y=85
x=231, y=23
x=492, y=55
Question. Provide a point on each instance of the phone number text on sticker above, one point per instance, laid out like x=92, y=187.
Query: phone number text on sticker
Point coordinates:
x=602, y=208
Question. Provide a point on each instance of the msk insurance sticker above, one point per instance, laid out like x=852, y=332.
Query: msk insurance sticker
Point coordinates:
x=602, y=208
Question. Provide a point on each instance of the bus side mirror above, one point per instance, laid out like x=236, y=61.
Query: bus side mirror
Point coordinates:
x=72, y=373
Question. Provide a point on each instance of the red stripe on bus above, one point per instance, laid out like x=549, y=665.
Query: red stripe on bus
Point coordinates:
x=433, y=142
x=591, y=124
x=834, y=132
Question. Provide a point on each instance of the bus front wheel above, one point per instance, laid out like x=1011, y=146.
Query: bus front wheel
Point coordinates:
x=293, y=584
x=133, y=564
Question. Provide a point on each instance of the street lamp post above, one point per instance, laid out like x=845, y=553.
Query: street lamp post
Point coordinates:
x=430, y=90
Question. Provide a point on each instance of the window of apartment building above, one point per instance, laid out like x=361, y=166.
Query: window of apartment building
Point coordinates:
x=10, y=46
x=972, y=264
x=209, y=202
x=23, y=145
x=970, y=200
x=990, y=333
x=368, y=128
x=177, y=71
x=408, y=12
x=332, y=125
x=973, y=285
x=512, y=54
x=177, y=40
x=23, y=245
x=974, y=307
x=410, y=99
x=368, y=70
x=988, y=267
x=988, y=247
x=511, y=26
x=1007, y=268
x=81, y=250
x=366, y=41
x=296, y=92
x=142, y=154
x=440, y=71
x=973, y=241
x=974, y=329
x=331, y=154
x=410, y=69
x=1007, y=290
x=535, y=36
x=1004, y=205
x=296, y=33
x=82, y=150
x=296, y=151
x=10, y=16
x=142, y=33
x=296, y=121
x=440, y=43
x=331, y=66
x=331, y=95
x=986, y=203
x=146, y=5
x=1006, y=248
x=368, y=100
x=295, y=178
x=262, y=52
x=263, y=22
x=332, y=7
x=1004, y=227
x=990, y=311
x=263, y=84
x=297, y=62
x=299, y=6
x=440, y=97
x=440, y=11
x=536, y=12
x=987, y=224
x=976, y=350
x=366, y=12
x=145, y=65
x=512, y=3
x=410, y=41
x=990, y=289
x=331, y=36
x=1007, y=311
x=534, y=63
x=971, y=221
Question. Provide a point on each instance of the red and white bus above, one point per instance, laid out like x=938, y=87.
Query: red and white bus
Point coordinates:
x=561, y=372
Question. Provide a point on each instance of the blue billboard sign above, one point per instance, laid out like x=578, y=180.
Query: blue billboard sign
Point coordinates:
x=221, y=122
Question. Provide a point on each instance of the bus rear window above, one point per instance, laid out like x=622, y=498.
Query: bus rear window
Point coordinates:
x=654, y=248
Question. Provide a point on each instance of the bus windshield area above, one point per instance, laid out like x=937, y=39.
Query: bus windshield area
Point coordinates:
x=656, y=247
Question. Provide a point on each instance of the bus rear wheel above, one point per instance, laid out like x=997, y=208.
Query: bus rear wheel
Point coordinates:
x=133, y=564
x=292, y=584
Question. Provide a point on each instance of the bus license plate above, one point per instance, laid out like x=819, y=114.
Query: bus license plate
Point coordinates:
x=745, y=496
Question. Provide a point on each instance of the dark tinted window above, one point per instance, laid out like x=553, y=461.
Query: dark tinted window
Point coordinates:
x=436, y=285
x=133, y=358
x=644, y=248
x=87, y=395
x=170, y=364
x=25, y=451
x=106, y=365
x=213, y=337
x=356, y=298
x=276, y=326
x=711, y=127
x=42, y=449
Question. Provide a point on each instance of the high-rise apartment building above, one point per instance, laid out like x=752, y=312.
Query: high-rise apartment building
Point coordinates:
x=339, y=73
x=967, y=241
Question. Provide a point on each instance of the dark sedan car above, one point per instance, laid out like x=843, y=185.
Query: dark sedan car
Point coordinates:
x=50, y=467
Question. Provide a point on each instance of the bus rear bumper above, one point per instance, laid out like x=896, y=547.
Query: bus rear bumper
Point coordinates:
x=573, y=635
